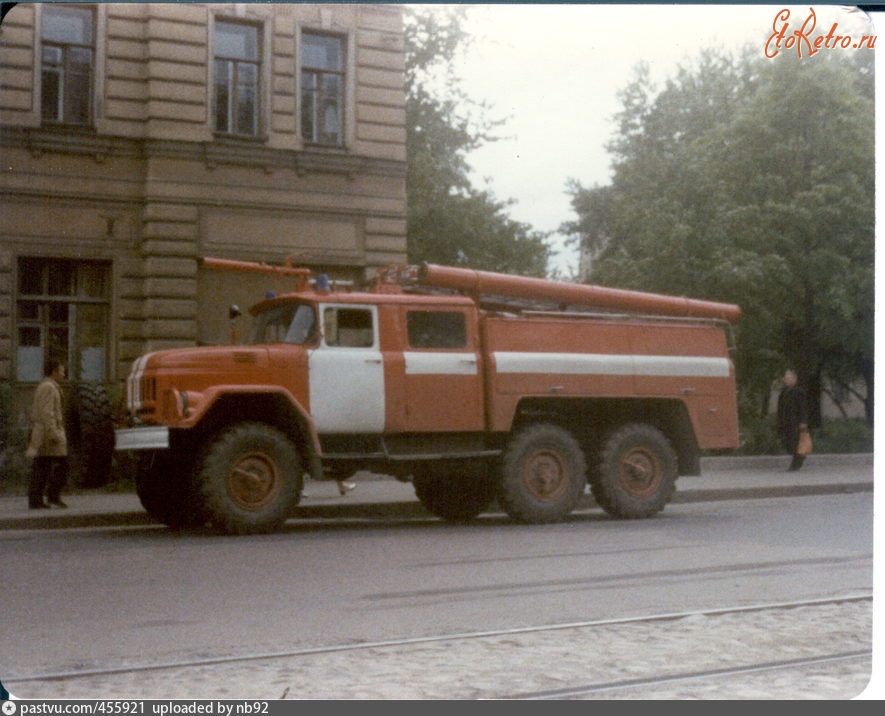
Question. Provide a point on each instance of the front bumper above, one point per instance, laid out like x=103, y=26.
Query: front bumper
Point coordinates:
x=153, y=437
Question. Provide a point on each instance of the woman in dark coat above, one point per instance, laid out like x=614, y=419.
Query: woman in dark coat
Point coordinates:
x=792, y=418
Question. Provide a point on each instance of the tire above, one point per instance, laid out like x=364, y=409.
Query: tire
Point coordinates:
x=458, y=493
x=90, y=431
x=544, y=474
x=636, y=473
x=250, y=479
x=165, y=486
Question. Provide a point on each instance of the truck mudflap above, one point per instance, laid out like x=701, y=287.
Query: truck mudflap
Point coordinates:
x=153, y=437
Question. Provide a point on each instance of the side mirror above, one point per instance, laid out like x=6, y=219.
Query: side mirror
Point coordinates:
x=233, y=313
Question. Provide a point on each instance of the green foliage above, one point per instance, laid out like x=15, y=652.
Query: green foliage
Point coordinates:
x=449, y=220
x=13, y=464
x=759, y=436
x=843, y=436
x=834, y=437
x=750, y=181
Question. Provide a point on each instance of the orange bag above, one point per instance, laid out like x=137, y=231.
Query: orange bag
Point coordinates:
x=805, y=446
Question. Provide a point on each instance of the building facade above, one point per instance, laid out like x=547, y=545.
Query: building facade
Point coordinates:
x=136, y=139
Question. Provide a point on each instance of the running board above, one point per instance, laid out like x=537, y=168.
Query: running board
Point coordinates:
x=405, y=457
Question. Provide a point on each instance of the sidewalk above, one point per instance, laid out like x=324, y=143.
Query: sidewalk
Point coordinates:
x=379, y=497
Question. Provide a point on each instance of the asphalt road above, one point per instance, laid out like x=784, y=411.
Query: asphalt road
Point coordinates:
x=86, y=598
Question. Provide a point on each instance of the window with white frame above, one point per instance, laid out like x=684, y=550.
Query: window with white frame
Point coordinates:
x=322, y=88
x=62, y=311
x=237, y=78
x=67, y=51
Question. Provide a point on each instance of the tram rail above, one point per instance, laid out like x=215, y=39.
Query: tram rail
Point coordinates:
x=561, y=693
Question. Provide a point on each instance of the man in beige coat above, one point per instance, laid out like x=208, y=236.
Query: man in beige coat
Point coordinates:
x=48, y=445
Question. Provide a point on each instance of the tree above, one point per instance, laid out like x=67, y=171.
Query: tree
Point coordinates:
x=449, y=220
x=751, y=181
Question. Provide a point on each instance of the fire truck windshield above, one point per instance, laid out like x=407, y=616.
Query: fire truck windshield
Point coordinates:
x=289, y=323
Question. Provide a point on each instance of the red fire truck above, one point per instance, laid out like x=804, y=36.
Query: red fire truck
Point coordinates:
x=474, y=386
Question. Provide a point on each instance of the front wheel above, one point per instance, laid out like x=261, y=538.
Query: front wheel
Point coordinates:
x=164, y=485
x=544, y=474
x=636, y=474
x=250, y=479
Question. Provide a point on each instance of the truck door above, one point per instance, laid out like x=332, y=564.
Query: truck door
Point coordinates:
x=443, y=373
x=346, y=372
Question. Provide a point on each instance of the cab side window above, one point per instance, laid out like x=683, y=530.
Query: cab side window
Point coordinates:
x=348, y=327
x=436, y=329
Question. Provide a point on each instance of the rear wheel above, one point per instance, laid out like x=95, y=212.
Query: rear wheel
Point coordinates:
x=636, y=474
x=457, y=493
x=544, y=474
x=250, y=479
x=90, y=431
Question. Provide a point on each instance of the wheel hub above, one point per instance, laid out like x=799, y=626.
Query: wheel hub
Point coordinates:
x=640, y=472
x=545, y=475
x=253, y=481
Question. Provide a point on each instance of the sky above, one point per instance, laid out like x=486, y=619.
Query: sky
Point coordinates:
x=554, y=73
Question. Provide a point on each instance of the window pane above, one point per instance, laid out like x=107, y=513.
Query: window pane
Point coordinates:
x=303, y=326
x=80, y=59
x=52, y=56
x=436, y=330
x=330, y=133
x=91, y=321
x=28, y=311
x=349, y=327
x=271, y=326
x=238, y=42
x=321, y=52
x=72, y=25
x=50, y=94
x=29, y=362
x=331, y=86
x=77, y=96
x=61, y=279
x=222, y=96
x=58, y=342
x=30, y=277
x=92, y=281
x=29, y=336
x=58, y=312
x=90, y=337
x=308, y=110
x=247, y=96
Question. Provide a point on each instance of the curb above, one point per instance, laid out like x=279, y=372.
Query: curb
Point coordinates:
x=65, y=521
x=773, y=462
x=414, y=510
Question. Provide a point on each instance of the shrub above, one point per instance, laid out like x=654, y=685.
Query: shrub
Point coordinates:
x=837, y=435
x=13, y=438
x=843, y=436
x=758, y=436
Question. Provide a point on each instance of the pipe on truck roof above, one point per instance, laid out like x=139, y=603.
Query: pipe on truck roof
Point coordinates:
x=253, y=267
x=487, y=283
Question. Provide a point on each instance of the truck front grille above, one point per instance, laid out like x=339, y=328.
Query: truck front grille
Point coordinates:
x=141, y=391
